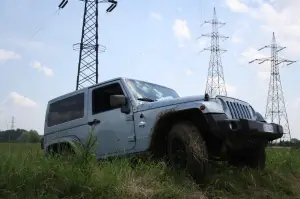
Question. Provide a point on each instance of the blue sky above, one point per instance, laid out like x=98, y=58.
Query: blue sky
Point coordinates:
x=149, y=40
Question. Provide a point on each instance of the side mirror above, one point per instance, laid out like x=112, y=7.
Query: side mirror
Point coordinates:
x=117, y=101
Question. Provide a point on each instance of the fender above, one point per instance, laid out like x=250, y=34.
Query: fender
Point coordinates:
x=211, y=106
x=73, y=141
x=149, y=115
x=165, y=118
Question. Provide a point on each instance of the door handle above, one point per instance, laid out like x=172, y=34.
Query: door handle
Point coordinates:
x=142, y=124
x=94, y=122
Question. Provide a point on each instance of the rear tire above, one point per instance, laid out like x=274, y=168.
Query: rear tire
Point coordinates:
x=187, y=150
x=62, y=150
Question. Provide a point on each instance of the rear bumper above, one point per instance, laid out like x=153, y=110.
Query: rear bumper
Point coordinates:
x=243, y=131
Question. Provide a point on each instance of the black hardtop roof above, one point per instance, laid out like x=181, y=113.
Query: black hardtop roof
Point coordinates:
x=80, y=90
x=104, y=82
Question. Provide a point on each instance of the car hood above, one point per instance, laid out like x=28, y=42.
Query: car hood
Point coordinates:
x=168, y=102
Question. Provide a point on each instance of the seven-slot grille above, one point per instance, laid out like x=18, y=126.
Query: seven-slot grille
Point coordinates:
x=239, y=111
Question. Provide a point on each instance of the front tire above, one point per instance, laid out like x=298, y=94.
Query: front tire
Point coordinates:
x=187, y=150
x=257, y=159
x=254, y=158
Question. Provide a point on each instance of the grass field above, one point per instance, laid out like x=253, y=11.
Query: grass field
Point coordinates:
x=25, y=173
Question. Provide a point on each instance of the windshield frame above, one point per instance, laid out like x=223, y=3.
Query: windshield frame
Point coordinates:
x=130, y=81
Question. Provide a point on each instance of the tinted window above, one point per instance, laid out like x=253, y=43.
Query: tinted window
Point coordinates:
x=66, y=110
x=101, y=96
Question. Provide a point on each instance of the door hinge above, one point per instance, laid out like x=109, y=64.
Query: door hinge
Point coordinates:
x=131, y=138
x=129, y=118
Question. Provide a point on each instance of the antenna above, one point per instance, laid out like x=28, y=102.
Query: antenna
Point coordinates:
x=275, y=109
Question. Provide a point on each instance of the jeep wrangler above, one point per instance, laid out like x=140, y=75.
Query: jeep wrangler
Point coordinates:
x=131, y=116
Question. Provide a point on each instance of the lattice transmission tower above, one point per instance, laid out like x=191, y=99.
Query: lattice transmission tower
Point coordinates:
x=275, y=108
x=215, y=84
x=89, y=48
x=12, y=125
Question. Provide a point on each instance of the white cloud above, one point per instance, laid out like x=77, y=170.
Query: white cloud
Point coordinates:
x=20, y=100
x=156, y=16
x=40, y=67
x=199, y=45
x=236, y=37
x=17, y=105
x=285, y=23
x=281, y=17
x=237, y=6
x=202, y=43
x=262, y=70
x=251, y=53
x=181, y=31
x=6, y=55
x=189, y=72
x=264, y=76
x=231, y=90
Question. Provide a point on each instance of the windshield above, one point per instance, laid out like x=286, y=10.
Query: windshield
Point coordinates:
x=141, y=89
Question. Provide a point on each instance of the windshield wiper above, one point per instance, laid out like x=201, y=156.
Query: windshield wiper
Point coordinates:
x=146, y=99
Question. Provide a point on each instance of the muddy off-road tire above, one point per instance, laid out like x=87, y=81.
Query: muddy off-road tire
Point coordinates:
x=187, y=150
x=255, y=158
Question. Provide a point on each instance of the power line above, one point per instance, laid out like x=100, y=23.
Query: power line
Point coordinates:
x=275, y=108
x=215, y=84
x=35, y=32
x=40, y=28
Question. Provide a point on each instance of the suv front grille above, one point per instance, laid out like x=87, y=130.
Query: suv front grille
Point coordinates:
x=239, y=111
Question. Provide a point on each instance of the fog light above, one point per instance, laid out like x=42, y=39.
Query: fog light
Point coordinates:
x=202, y=107
x=233, y=125
x=230, y=125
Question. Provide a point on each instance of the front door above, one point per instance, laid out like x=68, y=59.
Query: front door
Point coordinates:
x=115, y=130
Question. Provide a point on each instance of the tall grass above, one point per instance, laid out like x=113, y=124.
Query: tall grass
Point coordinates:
x=26, y=173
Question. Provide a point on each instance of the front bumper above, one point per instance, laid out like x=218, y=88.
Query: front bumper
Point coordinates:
x=243, y=130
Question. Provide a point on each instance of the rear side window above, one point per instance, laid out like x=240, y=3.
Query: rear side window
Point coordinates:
x=65, y=110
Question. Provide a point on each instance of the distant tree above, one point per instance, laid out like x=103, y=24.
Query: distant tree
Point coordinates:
x=11, y=134
x=33, y=136
x=295, y=140
x=19, y=135
x=30, y=136
x=24, y=137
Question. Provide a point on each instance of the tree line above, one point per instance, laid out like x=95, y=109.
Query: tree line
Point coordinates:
x=294, y=142
x=20, y=135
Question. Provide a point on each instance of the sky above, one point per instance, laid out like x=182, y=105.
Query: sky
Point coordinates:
x=153, y=40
